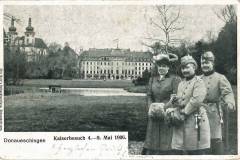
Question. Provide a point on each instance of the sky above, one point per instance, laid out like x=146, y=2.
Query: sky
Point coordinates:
x=97, y=26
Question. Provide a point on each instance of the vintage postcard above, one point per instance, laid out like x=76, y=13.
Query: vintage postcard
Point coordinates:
x=119, y=80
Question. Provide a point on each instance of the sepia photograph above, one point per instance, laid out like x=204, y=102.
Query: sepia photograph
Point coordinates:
x=164, y=73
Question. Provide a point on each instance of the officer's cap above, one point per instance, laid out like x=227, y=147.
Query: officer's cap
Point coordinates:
x=188, y=59
x=208, y=56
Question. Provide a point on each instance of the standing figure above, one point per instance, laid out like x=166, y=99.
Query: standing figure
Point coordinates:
x=218, y=90
x=191, y=135
x=161, y=85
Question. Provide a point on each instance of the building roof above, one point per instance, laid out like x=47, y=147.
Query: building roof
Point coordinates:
x=95, y=54
x=39, y=43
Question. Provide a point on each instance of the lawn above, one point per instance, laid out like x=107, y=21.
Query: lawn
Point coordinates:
x=61, y=112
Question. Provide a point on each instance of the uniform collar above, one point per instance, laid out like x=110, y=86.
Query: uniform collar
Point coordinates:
x=190, y=78
x=208, y=73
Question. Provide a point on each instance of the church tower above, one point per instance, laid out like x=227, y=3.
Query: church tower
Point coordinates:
x=12, y=33
x=29, y=34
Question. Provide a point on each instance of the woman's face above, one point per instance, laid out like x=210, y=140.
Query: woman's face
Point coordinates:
x=163, y=69
x=188, y=70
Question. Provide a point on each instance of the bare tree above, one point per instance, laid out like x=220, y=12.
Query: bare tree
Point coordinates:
x=227, y=14
x=167, y=22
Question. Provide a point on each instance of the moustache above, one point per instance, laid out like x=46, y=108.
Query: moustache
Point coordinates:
x=205, y=67
x=185, y=72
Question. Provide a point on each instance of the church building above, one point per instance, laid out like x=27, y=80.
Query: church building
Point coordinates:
x=32, y=46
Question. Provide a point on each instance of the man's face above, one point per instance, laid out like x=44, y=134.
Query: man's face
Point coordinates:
x=206, y=66
x=163, y=69
x=188, y=70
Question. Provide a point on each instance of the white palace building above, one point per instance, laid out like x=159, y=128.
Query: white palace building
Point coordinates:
x=114, y=64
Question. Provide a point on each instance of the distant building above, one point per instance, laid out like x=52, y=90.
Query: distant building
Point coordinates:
x=113, y=64
x=33, y=47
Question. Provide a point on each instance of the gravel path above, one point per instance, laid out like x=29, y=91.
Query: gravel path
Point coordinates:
x=135, y=147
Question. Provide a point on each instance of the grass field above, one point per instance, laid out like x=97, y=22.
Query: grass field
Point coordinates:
x=35, y=111
x=59, y=112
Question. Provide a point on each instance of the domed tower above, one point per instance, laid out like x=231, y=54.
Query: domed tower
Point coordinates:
x=29, y=34
x=12, y=32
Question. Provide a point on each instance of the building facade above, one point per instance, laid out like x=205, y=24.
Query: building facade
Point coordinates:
x=113, y=64
x=32, y=46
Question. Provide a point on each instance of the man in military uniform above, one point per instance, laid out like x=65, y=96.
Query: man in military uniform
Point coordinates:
x=191, y=135
x=218, y=89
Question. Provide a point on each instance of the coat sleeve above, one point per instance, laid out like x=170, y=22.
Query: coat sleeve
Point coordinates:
x=198, y=95
x=226, y=90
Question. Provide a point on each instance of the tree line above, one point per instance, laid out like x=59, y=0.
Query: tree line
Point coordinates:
x=59, y=63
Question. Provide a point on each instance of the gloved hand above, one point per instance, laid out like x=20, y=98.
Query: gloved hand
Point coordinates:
x=169, y=110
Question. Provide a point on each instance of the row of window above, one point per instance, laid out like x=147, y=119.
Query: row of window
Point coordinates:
x=108, y=63
x=108, y=72
x=136, y=68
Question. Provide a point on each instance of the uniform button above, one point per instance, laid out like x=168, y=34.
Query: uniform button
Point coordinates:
x=207, y=88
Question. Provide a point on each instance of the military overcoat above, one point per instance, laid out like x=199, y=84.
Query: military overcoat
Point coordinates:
x=185, y=136
x=217, y=86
